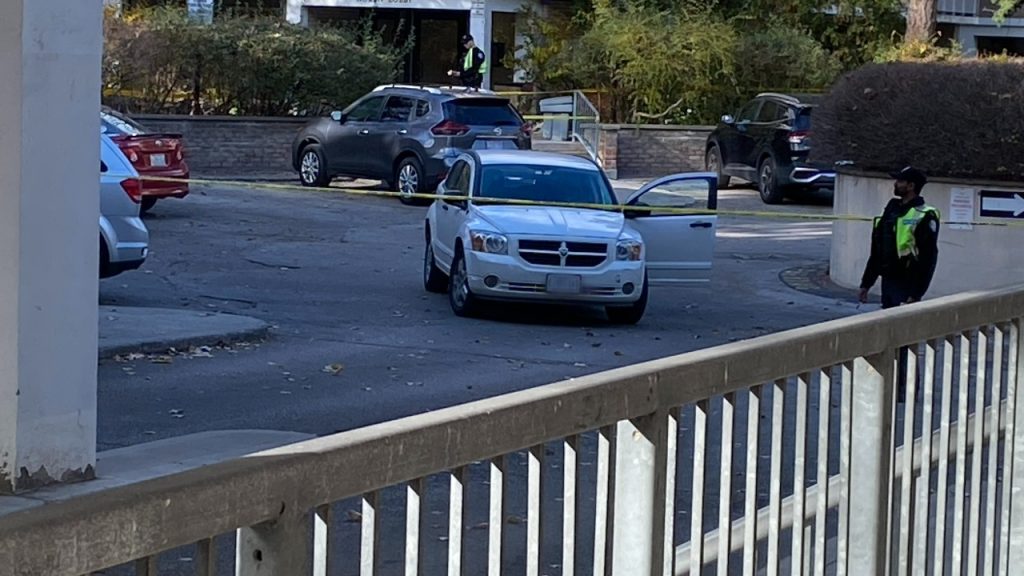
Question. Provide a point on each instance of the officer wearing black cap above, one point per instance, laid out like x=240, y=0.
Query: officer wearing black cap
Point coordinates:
x=904, y=243
x=474, y=64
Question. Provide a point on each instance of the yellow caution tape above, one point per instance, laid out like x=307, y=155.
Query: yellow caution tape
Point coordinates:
x=666, y=211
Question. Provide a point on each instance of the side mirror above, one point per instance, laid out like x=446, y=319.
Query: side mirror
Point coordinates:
x=728, y=119
x=338, y=116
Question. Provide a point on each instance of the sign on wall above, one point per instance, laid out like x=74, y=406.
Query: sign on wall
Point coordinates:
x=201, y=10
x=961, y=208
x=1002, y=204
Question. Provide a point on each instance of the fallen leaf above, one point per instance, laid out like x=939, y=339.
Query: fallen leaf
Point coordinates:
x=334, y=369
x=162, y=360
x=353, y=516
x=580, y=365
x=513, y=519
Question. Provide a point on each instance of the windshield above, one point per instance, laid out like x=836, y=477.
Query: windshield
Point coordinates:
x=538, y=183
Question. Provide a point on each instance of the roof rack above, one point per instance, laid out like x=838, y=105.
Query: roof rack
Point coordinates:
x=779, y=95
x=468, y=89
x=429, y=89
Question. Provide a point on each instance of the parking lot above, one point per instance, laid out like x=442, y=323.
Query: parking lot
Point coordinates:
x=356, y=340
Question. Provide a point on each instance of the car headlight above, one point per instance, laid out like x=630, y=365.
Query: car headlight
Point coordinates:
x=488, y=242
x=628, y=250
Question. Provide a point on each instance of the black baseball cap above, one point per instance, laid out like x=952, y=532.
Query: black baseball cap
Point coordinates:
x=910, y=174
x=467, y=38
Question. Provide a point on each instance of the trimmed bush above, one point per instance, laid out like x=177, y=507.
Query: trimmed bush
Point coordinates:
x=961, y=120
x=156, y=60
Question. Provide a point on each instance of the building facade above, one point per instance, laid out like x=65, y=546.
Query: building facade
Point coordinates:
x=970, y=23
x=435, y=27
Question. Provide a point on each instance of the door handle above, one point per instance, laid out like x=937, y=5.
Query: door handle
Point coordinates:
x=403, y=131
x=364, y=132
x=700, y=225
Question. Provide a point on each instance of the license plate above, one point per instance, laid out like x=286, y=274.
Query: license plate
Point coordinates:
x=563, y=284
x=158, y=160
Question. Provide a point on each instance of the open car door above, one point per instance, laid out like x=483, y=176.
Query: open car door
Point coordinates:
x=679, y=246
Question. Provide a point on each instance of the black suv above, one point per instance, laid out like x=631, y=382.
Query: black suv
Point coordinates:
x=406, y=136
x=767, y=143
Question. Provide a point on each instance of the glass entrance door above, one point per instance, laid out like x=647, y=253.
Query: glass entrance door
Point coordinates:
x=436, y=49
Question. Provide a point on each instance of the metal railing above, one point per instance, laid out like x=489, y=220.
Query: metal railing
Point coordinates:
x=794, y=453
x=586, y=124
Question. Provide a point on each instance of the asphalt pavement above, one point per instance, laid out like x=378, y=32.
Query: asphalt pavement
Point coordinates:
x=353, y=339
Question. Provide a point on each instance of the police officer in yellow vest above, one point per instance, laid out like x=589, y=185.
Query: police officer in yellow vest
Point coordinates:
x=904, y=243
x=474, y=64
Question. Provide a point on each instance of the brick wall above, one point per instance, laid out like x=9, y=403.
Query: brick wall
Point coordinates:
x=232, y=147
x=646, y=151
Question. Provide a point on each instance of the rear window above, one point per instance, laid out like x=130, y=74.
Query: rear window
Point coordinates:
x=115, y=124
x=482, y=112
x=803, y=119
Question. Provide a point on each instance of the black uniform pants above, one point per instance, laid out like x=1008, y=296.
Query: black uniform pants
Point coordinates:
x=894, y=293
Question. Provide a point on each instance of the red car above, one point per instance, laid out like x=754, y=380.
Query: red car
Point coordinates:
x=151, y=153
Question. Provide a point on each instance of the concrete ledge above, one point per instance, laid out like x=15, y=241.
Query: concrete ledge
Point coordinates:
x=125, y=330
x=212, y=118
x=150, y=460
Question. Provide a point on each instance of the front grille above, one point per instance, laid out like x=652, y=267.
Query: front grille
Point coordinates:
x=563, y=254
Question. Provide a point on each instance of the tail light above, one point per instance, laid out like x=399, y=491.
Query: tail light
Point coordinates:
x=449, y=128
x=133, y=156
x=133, y=188
x=799, y=140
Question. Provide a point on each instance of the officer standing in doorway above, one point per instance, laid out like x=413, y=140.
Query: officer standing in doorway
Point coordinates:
x=904, y=243
x=474, y=65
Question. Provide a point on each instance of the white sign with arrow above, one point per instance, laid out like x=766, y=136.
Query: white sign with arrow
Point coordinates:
x=998, y=204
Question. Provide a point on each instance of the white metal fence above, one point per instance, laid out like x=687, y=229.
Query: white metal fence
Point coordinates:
x=586, y=125
x=795, y=453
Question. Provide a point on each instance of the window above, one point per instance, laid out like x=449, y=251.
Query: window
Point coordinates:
x=457, y=183
x=539, y=183
x=482, y=112
x=114, y=124
x=688, y=194
x=398, y=109
x=803, y=119
x=771, y=111
x=422, y=108
x=366, y=111
x=749, y=112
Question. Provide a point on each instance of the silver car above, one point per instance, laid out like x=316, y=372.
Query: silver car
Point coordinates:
x=124, y=239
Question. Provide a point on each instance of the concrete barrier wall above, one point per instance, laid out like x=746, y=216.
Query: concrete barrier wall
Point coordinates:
x=232, y=147
x=977, y=258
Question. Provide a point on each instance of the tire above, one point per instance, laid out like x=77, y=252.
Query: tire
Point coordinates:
x=434, y=280
x=629, y=314
x=409, y=179
x=104, y=259
x=147, y=204
x=768, y=182
x=713, y=163
x=462, y=301
x=313, y=167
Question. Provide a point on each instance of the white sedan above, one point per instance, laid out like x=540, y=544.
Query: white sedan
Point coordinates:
x=490, y=245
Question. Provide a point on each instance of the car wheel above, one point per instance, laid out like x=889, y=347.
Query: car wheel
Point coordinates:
x=433, y=279
x=713, y=163
x=768, y=182
x=409, y=180
x=313, y=167
x=104, y=259
x=147, y=204
x=629, y=314
x=459, y=295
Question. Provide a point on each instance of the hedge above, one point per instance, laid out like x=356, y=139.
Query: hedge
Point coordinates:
x=156, y=60
x=957, y=120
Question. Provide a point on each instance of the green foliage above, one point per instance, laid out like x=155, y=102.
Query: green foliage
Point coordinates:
x=954, y=119
x=921, y=51
x=1006, y=8
x=783, y=59
x=155, y=60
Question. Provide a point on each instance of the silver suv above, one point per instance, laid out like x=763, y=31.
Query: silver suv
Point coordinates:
x=406, y=136
x=124, y=239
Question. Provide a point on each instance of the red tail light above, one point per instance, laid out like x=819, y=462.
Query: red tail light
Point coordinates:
x=449, y=128
x=133, y=188
x=798, y=139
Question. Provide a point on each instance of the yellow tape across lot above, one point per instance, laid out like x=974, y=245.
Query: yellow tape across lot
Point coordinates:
x=350, y=191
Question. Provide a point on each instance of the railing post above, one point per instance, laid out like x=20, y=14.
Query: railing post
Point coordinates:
x=1015, y=437
x=277, y=548
x=871, y=462
x=638, y=511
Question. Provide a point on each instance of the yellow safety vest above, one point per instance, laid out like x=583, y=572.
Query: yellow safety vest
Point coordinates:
x=467, y=63
x=906, y=243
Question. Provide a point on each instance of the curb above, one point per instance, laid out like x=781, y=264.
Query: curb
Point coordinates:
x=159, y=345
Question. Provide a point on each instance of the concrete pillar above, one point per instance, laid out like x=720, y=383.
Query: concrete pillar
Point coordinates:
x=49, y=240
x=480, y=30
x=296, y=13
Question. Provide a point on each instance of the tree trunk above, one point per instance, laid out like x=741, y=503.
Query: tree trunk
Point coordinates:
x=921, y=19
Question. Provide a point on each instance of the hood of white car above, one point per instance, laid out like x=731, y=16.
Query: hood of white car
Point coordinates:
x=553, y=221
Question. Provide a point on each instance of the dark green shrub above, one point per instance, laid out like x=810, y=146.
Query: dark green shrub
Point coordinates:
x=961, y=119
x=157, y=61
